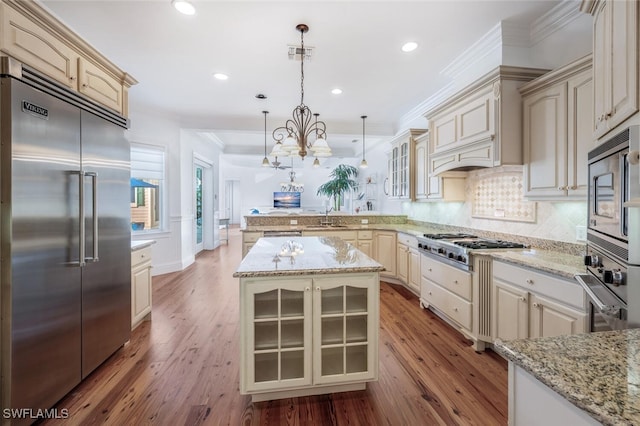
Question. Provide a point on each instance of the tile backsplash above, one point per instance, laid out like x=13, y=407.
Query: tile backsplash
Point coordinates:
x=552, y=220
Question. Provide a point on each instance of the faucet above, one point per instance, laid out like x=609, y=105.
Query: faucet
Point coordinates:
x=326, y=216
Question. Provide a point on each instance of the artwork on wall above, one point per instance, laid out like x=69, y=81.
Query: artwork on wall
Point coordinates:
x=497, y=194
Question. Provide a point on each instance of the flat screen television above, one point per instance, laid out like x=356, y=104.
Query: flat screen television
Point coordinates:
x=286, y=200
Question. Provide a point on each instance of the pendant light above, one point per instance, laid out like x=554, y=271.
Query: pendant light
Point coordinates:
x=363, y=163
x=265, y=160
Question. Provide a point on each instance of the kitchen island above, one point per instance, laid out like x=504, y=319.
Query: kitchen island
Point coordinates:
x=585, y=379
x=309, y=317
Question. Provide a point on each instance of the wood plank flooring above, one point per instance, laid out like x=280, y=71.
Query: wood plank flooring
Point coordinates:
x=182, y=368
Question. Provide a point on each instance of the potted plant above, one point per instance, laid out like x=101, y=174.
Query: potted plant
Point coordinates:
x=341, y=182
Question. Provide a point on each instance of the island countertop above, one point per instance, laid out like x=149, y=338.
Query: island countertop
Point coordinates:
x=597, y=372
x=319, y=255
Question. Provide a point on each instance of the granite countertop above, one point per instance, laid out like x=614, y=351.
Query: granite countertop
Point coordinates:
x=562, y=264
x=597, y=372
x=553, y=262
x=140, y=244
x=319, y=255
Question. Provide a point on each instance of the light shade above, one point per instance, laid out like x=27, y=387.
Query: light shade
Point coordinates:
x=266, y=162
x=316, y=163
x=290, y=144
x=363, y=164
x=320, y=145
x=277, y=150
x=184, y=6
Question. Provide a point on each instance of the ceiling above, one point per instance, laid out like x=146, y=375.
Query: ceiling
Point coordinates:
x=356, y=48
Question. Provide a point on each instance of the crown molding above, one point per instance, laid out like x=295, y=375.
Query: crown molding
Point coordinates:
x=554, y=20
x=491, y=41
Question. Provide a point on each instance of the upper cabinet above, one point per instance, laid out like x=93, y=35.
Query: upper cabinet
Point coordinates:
x=448, y=186
x=481, y=125
x=615, y=62
x=557, y=132
x=400, y=179
x=34, y=37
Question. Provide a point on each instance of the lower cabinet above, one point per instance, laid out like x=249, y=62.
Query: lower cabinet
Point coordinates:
x=532, y=304
x=408, y=262
x=307, y=335
x=140, y=285
x=384, y=251
x=248, y=240
x=449, y=290
x=365, y=242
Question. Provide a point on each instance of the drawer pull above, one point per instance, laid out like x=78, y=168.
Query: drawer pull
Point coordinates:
x=523, y=299
x=537, y=305
x=529, y=281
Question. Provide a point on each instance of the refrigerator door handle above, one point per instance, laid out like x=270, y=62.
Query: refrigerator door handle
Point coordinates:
x=82, y=234
x=94, y=202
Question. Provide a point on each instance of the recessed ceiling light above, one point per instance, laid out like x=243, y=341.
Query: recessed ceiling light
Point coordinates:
x=409, y=46
x=221, y=76
x=336, y=91
x=184, y=6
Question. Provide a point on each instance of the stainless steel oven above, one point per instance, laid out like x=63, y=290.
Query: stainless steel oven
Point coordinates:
x=610, y=178
x=605, y=285
x=612, y=278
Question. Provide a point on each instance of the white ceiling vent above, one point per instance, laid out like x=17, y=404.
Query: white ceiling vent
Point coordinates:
x=295, y=52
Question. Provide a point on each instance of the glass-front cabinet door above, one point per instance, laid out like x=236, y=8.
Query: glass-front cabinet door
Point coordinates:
x=277, y=341
x=345, y=329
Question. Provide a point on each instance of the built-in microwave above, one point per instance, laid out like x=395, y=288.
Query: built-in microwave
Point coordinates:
x=610, y=178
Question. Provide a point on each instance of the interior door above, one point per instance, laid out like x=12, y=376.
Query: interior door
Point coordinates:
x=41, y=225
x=198, y=206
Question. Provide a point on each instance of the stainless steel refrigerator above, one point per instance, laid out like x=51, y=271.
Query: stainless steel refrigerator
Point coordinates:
x=65, y=238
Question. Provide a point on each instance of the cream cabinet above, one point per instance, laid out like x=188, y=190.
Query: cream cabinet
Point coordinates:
x=615, y=61
x=365, y=242
x=384, y=251
x=448, y=186
x=448, y=290
x=528, y=303
x=408, y=261
x=401, y=165
x=557, y=132
x=480, y=126
x=36, y=38
x=141, y=289
x=302, y=335
x=249, y=238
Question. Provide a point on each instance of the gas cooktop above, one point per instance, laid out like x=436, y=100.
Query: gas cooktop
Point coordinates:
x=454, y=248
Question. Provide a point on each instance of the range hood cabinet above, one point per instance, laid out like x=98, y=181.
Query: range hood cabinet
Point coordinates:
x=481, y=126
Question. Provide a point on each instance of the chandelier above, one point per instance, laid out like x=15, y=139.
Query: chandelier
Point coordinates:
x=293, y=138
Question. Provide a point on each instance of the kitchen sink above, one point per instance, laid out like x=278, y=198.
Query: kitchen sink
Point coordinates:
x=324, y=226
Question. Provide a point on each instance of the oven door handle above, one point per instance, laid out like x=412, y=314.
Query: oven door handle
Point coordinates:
x=611, y=306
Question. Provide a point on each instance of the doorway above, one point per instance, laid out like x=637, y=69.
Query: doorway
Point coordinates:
x=203, y=229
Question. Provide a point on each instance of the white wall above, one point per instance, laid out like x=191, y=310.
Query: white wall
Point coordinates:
x=174, y=248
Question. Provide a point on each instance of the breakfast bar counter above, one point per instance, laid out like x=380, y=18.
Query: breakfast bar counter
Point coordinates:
x=598, y=374
x=309, y=317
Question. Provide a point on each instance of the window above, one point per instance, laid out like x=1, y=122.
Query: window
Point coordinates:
x=147, y=186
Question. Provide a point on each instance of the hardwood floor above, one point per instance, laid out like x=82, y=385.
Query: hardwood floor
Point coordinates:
x=181, y=368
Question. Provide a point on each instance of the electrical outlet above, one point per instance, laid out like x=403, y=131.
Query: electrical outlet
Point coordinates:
x=581, y=233
x=364, y=221
x=293, y=222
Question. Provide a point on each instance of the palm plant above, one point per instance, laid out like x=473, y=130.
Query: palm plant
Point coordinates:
x=340, y=183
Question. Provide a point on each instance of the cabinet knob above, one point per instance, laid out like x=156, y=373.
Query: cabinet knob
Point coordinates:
x=72, y=78
x=523, y=299
x=562, y=188
x=529, y=281
x=537, y=305
x=317, y=288
x=430, y=293
x=142, y=256
x=607, y=115
x=429, y=270
x=455, y=309
x=574, y=187
x=307, y=288
x=84, y=84
x=455, y=281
